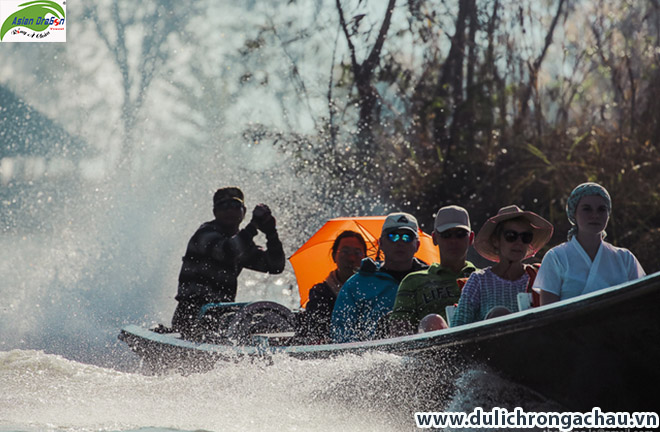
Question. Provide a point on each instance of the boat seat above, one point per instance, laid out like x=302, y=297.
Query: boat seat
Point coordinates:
x=528, y=300
x=524, y=301
x=450, y=311
x=261, y=317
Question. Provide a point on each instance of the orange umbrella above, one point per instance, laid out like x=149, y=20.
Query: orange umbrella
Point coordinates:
x=313, y=261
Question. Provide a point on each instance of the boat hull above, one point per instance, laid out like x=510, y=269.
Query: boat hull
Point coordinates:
x=598, y=350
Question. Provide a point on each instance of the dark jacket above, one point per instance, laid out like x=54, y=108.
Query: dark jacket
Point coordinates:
x=213, y=261
x=318, y=312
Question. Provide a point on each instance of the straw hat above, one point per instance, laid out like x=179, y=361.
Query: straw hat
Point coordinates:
x=541, y=228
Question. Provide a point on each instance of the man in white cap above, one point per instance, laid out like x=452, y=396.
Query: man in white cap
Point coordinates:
x=369, y=294
x=430, y=291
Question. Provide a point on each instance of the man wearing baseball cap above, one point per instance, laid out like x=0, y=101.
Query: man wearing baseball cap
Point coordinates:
x=217, y=253
x=429, y=291
x=369, y=295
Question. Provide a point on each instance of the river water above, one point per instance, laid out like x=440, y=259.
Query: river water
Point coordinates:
x=374, y=392
x=62, y=368
x=87, y=247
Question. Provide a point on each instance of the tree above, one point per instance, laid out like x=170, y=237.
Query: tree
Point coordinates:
x=363, y=76
x=137, y=40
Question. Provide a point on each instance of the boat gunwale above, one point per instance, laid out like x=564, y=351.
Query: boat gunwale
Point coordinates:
x=447, y=338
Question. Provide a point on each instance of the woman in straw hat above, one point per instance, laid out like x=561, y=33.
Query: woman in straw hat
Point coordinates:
x=585, y=263
x=507, y=238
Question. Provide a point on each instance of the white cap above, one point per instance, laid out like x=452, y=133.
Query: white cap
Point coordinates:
x=452, y=217
x=395, y=221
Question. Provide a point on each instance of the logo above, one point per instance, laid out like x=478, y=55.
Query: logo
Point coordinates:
x=32, y=21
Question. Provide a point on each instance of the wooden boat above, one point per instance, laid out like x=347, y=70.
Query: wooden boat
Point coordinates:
x=598, y=350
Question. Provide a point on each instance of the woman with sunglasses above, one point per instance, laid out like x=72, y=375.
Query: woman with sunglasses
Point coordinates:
x=585, y=263
x=507, y=239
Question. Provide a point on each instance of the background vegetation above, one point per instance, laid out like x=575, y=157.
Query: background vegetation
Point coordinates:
x=487, y=103
x=372, y=105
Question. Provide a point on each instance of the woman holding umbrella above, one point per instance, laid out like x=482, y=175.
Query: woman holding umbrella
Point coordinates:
x=507, y=238
x=348, y=250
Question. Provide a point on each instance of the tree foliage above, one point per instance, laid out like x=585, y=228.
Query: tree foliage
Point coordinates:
x=493, y=102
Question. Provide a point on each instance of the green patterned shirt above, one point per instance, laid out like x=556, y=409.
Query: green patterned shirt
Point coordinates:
x=428, y=291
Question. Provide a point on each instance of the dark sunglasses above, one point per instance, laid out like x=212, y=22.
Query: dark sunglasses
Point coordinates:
x=511, y=236
x=229, y=204
x=395, y=237
x=458, y=234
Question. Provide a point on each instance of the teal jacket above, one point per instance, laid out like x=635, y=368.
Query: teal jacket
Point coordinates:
x=363, y=300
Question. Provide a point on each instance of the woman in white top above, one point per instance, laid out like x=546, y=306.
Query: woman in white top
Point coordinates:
x=585, y=263
x=507, y=239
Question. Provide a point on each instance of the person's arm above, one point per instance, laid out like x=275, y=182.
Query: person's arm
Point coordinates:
x=209, y=242
x=547, y=297
x=402, y=319
x=548, y=281
x=271, y=260
x=468, y=304
x=236, y=246
x=635, y=270
x=209, y=250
